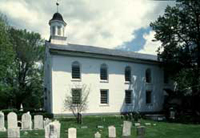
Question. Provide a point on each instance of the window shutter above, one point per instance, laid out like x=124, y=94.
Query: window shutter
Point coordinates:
x=127, y=74
x=76, y=74
x=104, y=97
x=128, y=96
x=103, y=72
x=76, y=96
x=148, y=97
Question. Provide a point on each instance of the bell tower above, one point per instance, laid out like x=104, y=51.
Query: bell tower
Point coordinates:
x=57, y=28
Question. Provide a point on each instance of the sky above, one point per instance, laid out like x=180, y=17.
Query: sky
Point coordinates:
x=115, y=24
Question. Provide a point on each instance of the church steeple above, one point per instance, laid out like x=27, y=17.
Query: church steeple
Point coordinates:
x=57, y=28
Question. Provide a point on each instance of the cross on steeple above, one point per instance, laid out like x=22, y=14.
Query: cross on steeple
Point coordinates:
x=57, y=4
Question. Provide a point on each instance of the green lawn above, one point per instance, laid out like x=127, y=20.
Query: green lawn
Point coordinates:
x=161, y=130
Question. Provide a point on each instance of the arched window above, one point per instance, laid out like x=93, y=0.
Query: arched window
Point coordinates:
x=128, y=74
x=148, y=75
x=104, y=72
x=59, y=30
x=76, y=74
x=54, y=30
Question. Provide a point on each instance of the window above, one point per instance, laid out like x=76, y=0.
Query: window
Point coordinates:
x=59, y=30
x=148, y=76
x=54, y=30
x=103, y=72
x=104, y=96
x=76, y=70
x=128, y=96
x=76, y=96
x=128, y=74
x=148, y=97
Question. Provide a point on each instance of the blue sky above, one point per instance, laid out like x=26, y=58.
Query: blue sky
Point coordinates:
x=104, y=23
x=138, y=42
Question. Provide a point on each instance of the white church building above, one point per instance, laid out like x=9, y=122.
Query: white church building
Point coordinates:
x=119, y=81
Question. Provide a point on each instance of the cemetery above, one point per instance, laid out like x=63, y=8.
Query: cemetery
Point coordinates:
x=92, y=127
x=118, y=84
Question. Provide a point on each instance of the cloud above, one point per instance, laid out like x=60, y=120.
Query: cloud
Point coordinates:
x=103, y=23
x=150, y=47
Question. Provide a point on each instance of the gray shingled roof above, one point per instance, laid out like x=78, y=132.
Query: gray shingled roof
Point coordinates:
x=103, y=51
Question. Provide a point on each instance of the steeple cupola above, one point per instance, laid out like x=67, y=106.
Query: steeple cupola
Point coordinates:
x=57, y=29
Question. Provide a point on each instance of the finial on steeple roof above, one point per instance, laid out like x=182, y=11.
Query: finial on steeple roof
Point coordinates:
x=57, y=4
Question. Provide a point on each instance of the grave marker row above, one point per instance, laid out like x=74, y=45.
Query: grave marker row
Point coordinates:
x=26, y=122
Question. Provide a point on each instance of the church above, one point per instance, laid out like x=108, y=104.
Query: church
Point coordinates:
x=118, y=81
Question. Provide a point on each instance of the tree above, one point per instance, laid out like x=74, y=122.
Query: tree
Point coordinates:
x=27, y=73
x=179, y=32
x=6, y=61
x=77, y=102
x=21, y=67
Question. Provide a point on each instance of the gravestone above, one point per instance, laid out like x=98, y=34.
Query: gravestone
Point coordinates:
x=12, y=120
x=2, y=122
x=137, y=124
x=52, y=130
x=26, y=121
x=100, y=127
x=84, y=127
x=13, y=132
x=46, y=122
x=127, y=129
x=111, y=132
x=25, y=133
x=129, y=116
x=21, y=108
x=147, y=124
x=160, y=118
x=140, y=132
x=172, y=114
x=97, y=135
x=72, y=133
x=38, y=122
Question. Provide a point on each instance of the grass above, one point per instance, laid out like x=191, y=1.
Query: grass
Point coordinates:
x=161, y=130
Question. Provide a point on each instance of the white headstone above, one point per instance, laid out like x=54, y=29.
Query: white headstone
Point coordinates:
x=2, y=122
x=147, y=124
x=72, y=133
x=111, y=132
x=21, y=108
x=12, y=120
x=127, y=129
x=52, y=130
x=84, y=127
x=38, y=122
x=46, y=122
x=97, y=135
x=26, y=121
x=137, y=124
x=13, y=132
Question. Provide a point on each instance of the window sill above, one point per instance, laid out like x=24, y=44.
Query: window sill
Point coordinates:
x=104, y=81
x=127, y=82
x=104, y=105
x=76, y=80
